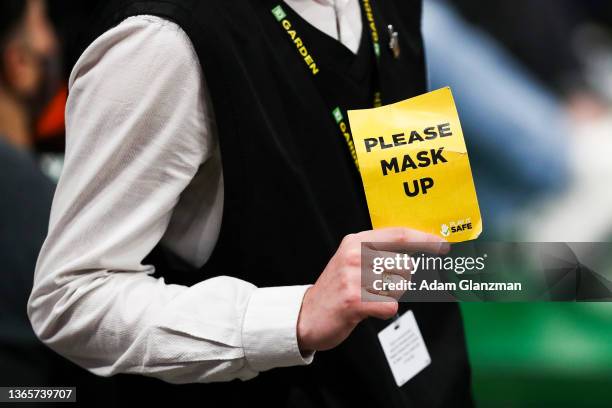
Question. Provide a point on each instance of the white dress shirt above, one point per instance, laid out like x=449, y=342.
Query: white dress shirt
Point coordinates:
x=143, y=166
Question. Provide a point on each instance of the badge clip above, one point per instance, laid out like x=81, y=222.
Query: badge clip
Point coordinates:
x=394, y=45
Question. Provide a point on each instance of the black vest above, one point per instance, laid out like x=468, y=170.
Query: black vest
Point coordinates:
x=292, y=192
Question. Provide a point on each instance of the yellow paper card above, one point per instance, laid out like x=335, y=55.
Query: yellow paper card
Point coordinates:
x=415, y=167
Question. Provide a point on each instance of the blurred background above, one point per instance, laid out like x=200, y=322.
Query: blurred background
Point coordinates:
x=533, y=84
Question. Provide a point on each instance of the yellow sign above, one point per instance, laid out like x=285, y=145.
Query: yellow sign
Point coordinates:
x=415, y=167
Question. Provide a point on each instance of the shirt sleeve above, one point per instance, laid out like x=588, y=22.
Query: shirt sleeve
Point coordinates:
x=137, y=132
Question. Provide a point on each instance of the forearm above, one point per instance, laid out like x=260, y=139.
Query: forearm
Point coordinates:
x=130, y=322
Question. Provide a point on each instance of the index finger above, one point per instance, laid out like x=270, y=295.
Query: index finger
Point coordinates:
x=403, y=240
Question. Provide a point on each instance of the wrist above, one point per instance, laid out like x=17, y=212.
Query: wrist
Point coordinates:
x=303, y=330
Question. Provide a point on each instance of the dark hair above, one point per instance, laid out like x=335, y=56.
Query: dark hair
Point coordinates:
x=11, y=14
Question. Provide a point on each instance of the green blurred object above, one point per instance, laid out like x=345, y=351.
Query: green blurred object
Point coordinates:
x=540, y=354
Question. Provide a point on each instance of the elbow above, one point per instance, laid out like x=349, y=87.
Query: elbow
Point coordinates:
x=45, y=323
x=51, y=309
x=37, y=316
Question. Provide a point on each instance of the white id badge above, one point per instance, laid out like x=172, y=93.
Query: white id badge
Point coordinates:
x=404, y=348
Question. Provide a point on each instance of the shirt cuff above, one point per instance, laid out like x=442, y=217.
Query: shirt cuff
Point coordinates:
x=269, y=329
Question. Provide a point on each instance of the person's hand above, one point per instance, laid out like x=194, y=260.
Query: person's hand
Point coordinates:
x=338, y=301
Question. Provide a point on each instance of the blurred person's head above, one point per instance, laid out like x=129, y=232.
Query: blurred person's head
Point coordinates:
x=28, y=66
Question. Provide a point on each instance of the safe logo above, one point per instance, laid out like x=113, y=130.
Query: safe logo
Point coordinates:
x=455, y=227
